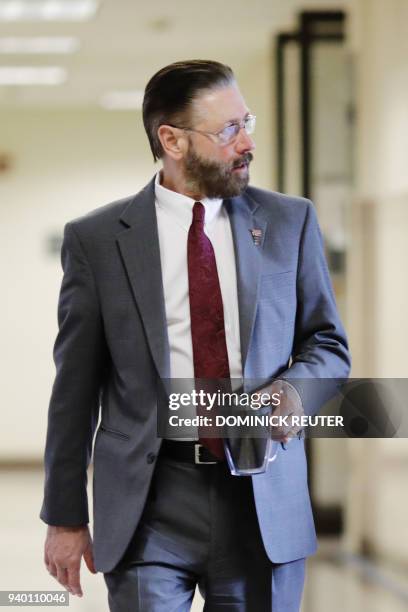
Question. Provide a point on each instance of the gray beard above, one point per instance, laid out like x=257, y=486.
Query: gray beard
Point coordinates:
x=213, y=179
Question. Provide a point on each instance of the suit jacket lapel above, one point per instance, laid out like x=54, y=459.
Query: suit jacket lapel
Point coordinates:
x=245, y=215
x=139, y=247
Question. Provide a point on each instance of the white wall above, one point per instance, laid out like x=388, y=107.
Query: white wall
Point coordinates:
x=377, y=498
x=381, y=205
x=63, y=164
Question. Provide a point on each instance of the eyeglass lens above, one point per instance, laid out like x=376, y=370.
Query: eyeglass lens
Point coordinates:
x=230, y=131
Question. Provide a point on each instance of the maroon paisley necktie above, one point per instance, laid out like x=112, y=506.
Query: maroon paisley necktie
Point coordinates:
x=207, y=316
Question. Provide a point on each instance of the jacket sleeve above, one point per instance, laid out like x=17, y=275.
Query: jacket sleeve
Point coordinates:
x=79, y=356
x=320, y=356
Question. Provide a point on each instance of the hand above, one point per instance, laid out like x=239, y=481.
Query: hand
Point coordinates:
x=290, y=405
x=63, y=551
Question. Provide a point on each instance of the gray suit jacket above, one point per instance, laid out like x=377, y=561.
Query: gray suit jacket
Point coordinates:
x=112, y=354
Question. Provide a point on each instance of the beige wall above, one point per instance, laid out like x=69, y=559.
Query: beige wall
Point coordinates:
x=378, y=296
x=379, y=331
x=63, y=164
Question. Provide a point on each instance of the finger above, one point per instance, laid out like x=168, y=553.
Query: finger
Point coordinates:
x=52, y=568
x=73, y=581
x=47, y=562
x=89, y=560
x=293, y=433
x=277, y=434
x=62, y=575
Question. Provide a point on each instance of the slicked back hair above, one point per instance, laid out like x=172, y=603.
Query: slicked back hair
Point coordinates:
x=170, y=92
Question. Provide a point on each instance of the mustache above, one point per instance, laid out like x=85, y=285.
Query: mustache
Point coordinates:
x=244, y=159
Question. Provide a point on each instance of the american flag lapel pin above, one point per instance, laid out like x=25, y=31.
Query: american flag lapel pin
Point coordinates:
x=256, y=236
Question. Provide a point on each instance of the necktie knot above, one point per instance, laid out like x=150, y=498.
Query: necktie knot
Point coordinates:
x=198, y=213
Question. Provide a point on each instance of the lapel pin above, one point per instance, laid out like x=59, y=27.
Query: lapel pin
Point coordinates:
x=256, y=236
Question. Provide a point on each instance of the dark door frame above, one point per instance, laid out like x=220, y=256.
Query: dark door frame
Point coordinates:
x=314, y=27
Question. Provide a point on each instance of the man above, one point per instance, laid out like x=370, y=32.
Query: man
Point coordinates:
x=197, y=276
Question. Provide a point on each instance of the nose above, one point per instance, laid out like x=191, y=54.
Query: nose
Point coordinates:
x=244, y=142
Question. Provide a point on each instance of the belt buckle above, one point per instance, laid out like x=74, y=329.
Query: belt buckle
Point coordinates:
x=197, y=459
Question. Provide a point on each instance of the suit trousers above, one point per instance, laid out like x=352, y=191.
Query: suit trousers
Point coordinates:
x=199, y=528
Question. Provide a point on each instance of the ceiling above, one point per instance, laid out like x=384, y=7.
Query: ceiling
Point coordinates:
x=128, y=40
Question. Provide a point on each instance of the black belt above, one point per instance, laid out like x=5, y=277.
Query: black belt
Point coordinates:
x=189, y=452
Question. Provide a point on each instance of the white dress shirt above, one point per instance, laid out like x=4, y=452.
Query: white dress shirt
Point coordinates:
x=174, y=216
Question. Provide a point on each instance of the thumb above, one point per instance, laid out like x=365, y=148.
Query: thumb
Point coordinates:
x=88, y=556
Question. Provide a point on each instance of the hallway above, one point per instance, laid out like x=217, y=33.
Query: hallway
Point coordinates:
x=332, y=584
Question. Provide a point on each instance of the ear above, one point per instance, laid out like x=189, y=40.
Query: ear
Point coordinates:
x=173, y=141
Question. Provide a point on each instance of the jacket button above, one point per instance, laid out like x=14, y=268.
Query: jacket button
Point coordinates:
x=150, y=457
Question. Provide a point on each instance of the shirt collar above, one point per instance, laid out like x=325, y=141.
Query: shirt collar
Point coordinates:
x=180, y=206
